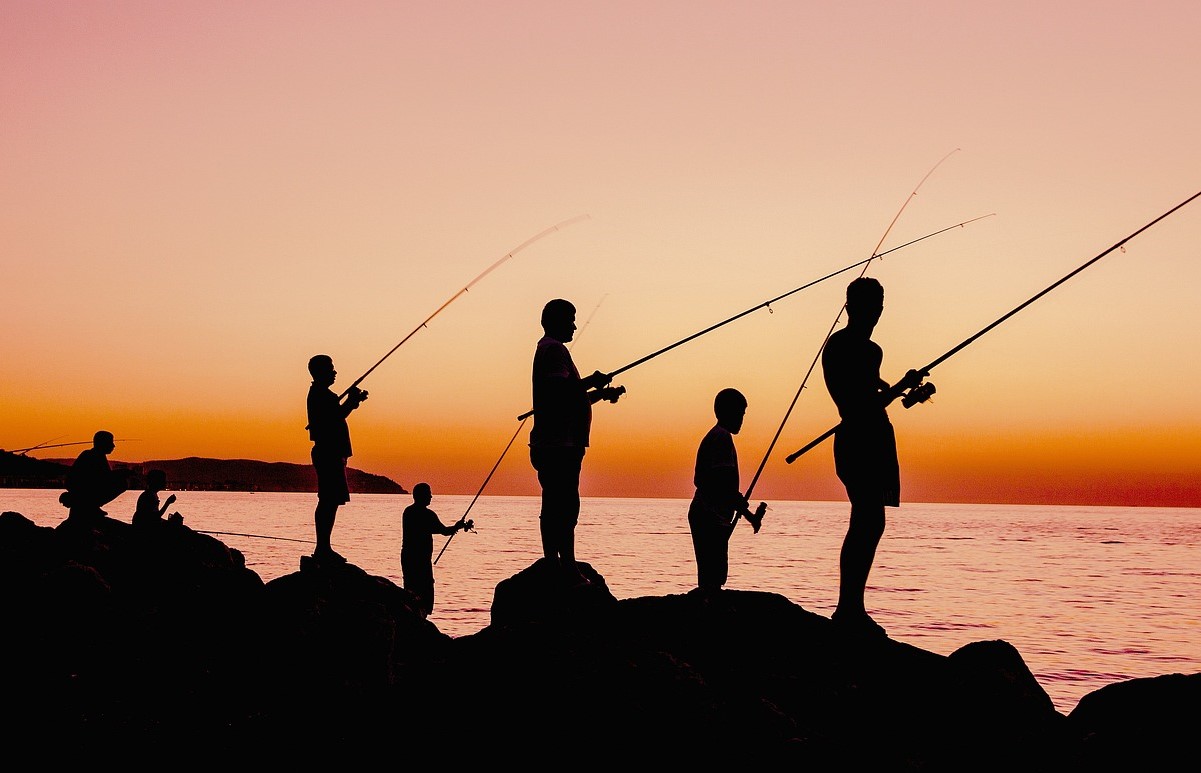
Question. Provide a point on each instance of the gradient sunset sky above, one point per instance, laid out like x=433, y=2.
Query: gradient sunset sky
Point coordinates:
x=197, y=196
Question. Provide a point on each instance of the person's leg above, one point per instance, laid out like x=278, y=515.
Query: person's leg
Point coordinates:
x=707, y=548
x=571, y=512
x=332, y=492
x=549, y=515
x=857, y=555
x=559, y=476
x=323, y=520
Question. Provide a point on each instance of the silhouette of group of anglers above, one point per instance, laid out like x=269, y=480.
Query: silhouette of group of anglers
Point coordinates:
x=563, y=401
x=865, y=450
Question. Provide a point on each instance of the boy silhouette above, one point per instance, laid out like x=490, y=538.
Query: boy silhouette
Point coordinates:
x=149, y=511
x=718, y=498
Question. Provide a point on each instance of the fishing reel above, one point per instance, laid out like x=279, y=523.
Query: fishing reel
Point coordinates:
x=612, y=393
x=919, y=394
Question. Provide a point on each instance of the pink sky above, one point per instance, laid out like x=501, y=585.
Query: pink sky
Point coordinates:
x=198, y=197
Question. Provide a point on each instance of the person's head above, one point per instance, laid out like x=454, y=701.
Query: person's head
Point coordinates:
x=865, y=299
x=156, y=480
x=558, y=319
x=730, y=408
x=422, y=494
x=103, y=442
x=321, y=368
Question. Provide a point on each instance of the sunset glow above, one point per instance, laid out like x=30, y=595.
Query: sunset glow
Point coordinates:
x=199, y=197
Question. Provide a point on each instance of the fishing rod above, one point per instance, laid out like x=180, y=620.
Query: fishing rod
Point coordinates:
x=505, y=452
x=768, y=303
x=43, y=446
x=259, y=536
x=922, y=392
x=39, y=445
x=468, y=286
x=875, y=254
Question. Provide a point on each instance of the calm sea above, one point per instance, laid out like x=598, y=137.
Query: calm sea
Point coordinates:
x=1087, y=595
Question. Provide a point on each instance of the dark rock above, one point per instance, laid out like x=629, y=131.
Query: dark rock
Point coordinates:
x=1139, y=724
x=136, y=643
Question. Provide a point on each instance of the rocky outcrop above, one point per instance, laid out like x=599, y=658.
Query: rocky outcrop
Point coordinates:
x=122, y=641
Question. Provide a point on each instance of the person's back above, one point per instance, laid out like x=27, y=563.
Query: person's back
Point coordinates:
x=851, y=369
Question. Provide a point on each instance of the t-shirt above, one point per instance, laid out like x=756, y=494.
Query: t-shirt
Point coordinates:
x=327, y=423
x=418, y=526
x=562, y=410
x=716, y=473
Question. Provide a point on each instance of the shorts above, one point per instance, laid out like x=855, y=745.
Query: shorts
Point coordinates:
x=865, y=459
x=331, y=478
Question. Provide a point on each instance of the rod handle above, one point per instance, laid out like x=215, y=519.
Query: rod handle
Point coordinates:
x=811, y=444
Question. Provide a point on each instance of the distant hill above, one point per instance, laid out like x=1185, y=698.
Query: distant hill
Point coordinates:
x=21, y=471
x=195, y=474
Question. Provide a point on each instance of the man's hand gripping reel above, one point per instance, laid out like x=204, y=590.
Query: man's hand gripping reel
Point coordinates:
x=918, y=394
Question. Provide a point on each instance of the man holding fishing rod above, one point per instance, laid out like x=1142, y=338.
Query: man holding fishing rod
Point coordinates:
x=559, y=438
x=331, y=449
x=865, y=448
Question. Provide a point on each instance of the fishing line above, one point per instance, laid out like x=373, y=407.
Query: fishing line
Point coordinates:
x=468, y=286
x=922, y=392
x=837, y=317
x=43, y=446
x=259, y=536
x=767, y=304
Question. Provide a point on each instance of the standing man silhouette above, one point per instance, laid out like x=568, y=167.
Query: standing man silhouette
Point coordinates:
x=865, y=448
x=331, y=449
x=418, y=525
x=560, y=435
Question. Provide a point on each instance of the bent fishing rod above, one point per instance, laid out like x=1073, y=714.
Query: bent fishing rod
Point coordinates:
x=804, y=381
x=922, y=392
x=505, y=452
x=44, y=446
x=767, y=304
x=468, y=286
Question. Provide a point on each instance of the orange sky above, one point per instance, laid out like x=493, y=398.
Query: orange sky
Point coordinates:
x=196, y=198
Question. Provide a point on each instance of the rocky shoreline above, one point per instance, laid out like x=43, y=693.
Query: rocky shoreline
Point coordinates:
x=127, y=643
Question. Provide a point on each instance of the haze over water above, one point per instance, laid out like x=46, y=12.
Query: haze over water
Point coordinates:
x=1088, y=595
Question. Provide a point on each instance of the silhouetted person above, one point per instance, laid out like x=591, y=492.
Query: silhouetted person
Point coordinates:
x=711, y=515
x=148, y=511
x=559, y=438
x=419, y=524
x=92, y=483
x=865, y=449
x=331, y=449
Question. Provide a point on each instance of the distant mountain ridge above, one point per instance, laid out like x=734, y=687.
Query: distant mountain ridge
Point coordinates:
x=196, y=473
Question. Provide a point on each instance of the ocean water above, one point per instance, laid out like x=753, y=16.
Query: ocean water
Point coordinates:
x=1088, y=595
